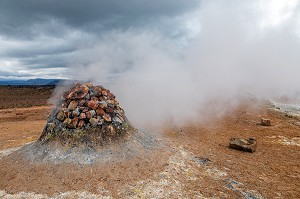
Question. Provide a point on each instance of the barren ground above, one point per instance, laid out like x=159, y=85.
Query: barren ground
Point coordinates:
x=195, y=162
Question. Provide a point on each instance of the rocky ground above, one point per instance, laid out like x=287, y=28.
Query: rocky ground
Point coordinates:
x=193, y=161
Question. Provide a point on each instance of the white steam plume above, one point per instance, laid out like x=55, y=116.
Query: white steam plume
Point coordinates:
x=225, y=47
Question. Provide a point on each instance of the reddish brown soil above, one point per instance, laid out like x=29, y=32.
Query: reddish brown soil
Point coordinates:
x=273, y=170
x=21, y=125
x=24, y=96
x=18, y=175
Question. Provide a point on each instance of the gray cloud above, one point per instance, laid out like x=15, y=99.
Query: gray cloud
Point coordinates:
x=20, y=18
x=43, y=33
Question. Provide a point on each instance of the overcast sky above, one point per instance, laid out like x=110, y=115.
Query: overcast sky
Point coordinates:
x=43, y=38
x=37, y=38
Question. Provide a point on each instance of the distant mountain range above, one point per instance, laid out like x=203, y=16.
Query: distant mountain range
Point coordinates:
x=31, y=82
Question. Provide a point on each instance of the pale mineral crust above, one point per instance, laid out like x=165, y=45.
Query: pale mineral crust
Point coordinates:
x=86, y=114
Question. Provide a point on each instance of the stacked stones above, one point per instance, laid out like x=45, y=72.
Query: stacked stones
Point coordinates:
x=89, y=105
x=83, y=108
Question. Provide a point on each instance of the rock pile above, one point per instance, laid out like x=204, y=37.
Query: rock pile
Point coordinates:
x=86, y=114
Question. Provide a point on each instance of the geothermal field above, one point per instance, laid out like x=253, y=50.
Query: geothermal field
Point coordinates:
x=150, y=99
x=84, y=146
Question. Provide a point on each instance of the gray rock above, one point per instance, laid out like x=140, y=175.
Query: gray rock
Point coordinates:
x=117, y=119
x=76, y=112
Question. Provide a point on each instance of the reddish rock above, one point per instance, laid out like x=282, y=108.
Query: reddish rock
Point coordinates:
x=85, y=110
x=81, y=102
x=81, y=124
x=104, y=92
x=111, y=96
x=66, y=114
x=90, y=114
x=106, y=118
x=92, y=104
x=94, y=98
x=265, y=122
x=60, y=116
x=102, y=104
x=111, y=103
x=73, y=123
x=78, y=92
x=97, y=91
x=73, y=104
x=110, y=111
x=82, y=116
x=68, y=121
x=100, y=111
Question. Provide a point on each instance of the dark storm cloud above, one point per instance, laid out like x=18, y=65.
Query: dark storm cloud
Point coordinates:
x=18, y=17
x=41, y=34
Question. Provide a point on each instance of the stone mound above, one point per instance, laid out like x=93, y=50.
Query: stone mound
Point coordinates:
x=86, y=114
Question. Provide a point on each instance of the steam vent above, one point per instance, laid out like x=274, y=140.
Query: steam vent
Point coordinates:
x=86, y=115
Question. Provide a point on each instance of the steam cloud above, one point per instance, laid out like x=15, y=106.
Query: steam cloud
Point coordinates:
x=214, y=52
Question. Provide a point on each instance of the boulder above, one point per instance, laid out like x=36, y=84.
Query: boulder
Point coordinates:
x=265, y=122
x=248, y=145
